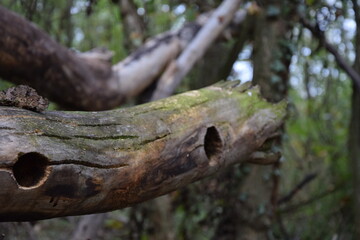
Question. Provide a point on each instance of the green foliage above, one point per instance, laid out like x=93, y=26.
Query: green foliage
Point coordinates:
x=316, y=142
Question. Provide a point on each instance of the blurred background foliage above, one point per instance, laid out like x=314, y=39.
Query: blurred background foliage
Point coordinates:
x=316, y=131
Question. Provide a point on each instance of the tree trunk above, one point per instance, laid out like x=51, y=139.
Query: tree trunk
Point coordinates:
x=354, y=130
x=133, y=25
x=88, y=227
x=70, y=163
x=254, y=214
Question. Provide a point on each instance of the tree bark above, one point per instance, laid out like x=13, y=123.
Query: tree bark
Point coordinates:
x=88, y=227
x=70, y=163
x=178, y=68
x=254, y=215
x=133, y=25
x=78, y=81
x=354, y=129
x=83, y=81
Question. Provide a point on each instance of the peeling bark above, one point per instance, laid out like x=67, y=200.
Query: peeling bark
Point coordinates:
x=56, y=164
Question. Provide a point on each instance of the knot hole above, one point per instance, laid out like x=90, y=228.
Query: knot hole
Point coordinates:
x=31, y=170
x=213, y=144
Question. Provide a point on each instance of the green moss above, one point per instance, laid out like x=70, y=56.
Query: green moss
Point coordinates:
x=249, y=101
x=175, y=115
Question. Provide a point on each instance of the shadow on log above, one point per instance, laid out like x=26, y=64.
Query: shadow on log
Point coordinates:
x=56, y=164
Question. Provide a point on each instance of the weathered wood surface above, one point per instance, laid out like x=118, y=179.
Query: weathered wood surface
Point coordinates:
x=56, y=164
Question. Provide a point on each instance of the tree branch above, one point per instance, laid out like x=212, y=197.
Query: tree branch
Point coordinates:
x=56, y=164
x=31, y=57
x=307, y=179
x=354, y=76
x=79, y=81
x=178, y=68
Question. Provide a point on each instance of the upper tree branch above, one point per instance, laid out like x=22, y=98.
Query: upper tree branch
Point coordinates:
x=355, y=77
x=29, y=56
x=196, y=49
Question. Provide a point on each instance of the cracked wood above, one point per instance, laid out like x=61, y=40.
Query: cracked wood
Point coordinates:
x=56, y=164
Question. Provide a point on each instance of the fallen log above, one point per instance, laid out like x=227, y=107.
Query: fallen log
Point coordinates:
x=57, y=163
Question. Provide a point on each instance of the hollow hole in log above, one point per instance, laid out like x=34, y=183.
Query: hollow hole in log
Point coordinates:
x=213, y=144
x=31, y=169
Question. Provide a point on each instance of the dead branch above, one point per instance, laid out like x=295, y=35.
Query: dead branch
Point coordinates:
x=83, y=81
x=178, y=68
x=56, y=164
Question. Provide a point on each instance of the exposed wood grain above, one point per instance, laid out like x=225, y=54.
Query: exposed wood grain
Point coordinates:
x=56, y=164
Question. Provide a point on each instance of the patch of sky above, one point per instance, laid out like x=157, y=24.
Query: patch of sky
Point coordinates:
x=140, y=11
x=78, y=7
x=165, y=8
x=243, y=69
x=180, y=9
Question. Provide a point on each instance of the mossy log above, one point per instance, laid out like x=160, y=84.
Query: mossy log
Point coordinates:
x=57, y=163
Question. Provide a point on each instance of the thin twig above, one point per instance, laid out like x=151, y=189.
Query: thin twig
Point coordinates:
x=307, y=179
x=309, y=201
